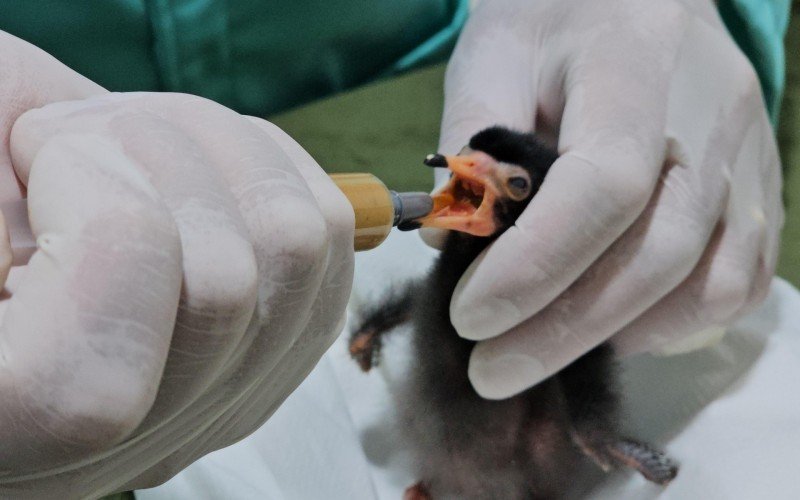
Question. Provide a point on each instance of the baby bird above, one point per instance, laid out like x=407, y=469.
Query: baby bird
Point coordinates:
x=537, y=444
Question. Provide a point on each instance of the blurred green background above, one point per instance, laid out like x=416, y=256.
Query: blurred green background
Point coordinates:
x=388, y=127
x=789, y=141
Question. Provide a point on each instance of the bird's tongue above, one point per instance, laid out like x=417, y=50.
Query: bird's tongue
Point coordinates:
x=465, y=203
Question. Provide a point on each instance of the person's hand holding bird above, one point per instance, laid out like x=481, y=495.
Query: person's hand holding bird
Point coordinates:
x=193, y=264
x=661, y=217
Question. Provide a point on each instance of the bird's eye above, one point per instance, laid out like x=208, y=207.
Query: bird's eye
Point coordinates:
x=519, y=183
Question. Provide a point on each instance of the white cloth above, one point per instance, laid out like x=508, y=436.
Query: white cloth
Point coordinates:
x=730, y=414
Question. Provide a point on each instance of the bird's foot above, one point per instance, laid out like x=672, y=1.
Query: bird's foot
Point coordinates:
x=653, y=464
x=365, y=348
x=609, y=452
x=417, y=492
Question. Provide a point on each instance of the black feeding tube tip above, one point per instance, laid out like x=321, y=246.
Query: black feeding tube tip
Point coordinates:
x=435, y=160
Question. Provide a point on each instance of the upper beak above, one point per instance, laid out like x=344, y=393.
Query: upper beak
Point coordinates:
x=466, y=202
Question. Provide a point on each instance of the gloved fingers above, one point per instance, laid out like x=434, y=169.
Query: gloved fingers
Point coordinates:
x=272, y=386
x=340, y=219
x=288, y=230
x=219, y=271
x=734, y=273
x=236, y=416
x=612, y=136
x=580, y=210
x=650, y=259
x=483, y=89
x=250, y=409
x=86, y=333
x=718, y=291
x=334, y=205
x=30, y=78
x=220, y=275
x=232, y=415
x=328, y=311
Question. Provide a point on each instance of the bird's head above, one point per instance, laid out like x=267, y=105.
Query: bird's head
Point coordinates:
x=492, y=181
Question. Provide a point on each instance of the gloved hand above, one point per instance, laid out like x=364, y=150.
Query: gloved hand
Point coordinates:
x=193, y=265
x=662, y=217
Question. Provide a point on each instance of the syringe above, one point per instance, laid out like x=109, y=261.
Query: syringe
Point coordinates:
x=377, y=209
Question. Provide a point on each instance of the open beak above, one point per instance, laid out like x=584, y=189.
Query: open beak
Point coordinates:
x=466, y=202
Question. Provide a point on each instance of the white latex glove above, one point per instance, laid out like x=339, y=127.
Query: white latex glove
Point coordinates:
x=193, y=264
x=662, y=217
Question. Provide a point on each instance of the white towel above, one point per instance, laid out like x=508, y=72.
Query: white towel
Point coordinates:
x=730, y=414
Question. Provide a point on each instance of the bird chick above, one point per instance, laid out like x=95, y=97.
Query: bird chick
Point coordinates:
x=537, y=443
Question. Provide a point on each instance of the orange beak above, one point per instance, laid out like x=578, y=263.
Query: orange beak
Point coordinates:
x=466, y=202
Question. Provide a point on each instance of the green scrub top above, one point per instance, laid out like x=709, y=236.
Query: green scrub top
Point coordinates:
x=263, y=56
x=758, y=26
x=256, y=56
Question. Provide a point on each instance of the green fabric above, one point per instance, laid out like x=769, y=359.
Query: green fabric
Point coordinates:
x=262, y=56
x=257, y=56
x=758, y=26
x=109, y=41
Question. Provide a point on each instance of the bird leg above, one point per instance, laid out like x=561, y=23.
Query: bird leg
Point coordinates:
x=610, y=452
x=592, y=406
x=595, y=449
x=366, y=340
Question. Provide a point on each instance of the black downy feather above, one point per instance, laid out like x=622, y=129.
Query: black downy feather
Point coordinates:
x=533, y=445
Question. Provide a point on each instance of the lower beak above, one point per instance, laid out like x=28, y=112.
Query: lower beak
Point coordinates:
x=466, y=202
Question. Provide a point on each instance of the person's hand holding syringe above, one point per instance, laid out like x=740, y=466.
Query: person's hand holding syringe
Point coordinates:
x=191, y=266
x=377, y=210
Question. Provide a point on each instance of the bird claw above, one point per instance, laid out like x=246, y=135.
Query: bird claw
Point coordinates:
x=417, y=492
x=364, y=349
x=653, y=464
